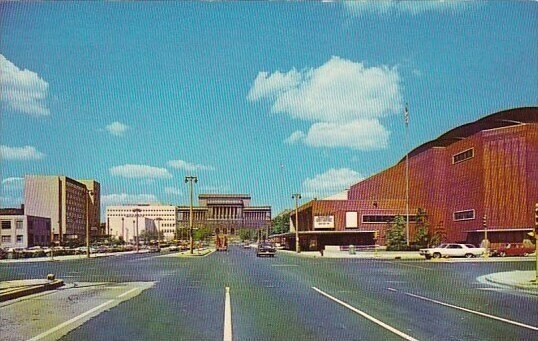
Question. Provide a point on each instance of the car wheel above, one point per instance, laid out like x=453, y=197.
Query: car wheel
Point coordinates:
x=525, y=254
x=428, y=257
x=469, y=255
x=437, y=255
x=502, y=254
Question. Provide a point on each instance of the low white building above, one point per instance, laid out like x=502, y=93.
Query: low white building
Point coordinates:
x=122, y=220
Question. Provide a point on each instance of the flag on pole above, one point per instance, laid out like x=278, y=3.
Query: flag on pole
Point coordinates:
x=406, y=115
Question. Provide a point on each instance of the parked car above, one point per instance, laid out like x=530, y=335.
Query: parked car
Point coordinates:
x=452, y=250
x=513, y=249
x=174, y=248
x=154, y=248
x=265, y=249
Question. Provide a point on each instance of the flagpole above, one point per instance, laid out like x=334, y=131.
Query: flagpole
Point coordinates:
x=407, y=174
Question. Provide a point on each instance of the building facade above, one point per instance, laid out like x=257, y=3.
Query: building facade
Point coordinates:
x=122, y=220
x=481, y=172
x=69, y=204
x=225, y=213
x=18, y=230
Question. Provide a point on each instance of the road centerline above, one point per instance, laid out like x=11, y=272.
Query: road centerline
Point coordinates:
x=227, y=316
x=367, y=316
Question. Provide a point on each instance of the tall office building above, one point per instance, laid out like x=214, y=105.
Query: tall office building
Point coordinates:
x=65, y=201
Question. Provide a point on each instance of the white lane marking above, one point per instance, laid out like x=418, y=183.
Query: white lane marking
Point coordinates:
x=414, y=266
x=127, y=292
x=473, y=311
x=66, y=323
x=391, y=289
x=365, y=315
x=285, y=265
x=227, y=317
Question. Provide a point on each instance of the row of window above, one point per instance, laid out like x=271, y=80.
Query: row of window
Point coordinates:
x=7, y=239
x=375, y=218
x=465, y=155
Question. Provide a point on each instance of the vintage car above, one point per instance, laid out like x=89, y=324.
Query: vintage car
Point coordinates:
x=452, y=250
x=513, y=249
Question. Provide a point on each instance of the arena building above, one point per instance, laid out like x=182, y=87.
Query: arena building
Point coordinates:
x=476, y=177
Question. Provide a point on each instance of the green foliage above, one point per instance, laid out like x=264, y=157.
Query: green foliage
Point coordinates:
x=147, y=236
x=245, y=234
x=281, y=223
x=422, y=229
x=395, y=236
x=202, y=234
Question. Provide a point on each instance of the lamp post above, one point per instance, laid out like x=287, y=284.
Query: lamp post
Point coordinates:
x=89, y=193
x=137, y=212
x=158, y=220
x=190, y=180
x=296, y=196
x=486, y=242
x=123, y=228
x=406, y=116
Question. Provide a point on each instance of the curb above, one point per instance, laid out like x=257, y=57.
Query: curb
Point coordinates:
x=11, y=294
x=526, y=288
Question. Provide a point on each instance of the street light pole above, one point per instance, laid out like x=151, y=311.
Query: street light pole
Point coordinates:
x=89, y=192
x=406, y=114
x=136, y=212
x=486, y=241
x=296, y=196
x=190, y=180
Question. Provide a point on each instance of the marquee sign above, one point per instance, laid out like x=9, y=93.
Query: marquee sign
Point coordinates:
x=324, y=222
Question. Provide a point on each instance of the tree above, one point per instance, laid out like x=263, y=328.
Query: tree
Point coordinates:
x=245, y=234
x=202, y=233
x=281, y=223
x=395, y=236
x=422, y=230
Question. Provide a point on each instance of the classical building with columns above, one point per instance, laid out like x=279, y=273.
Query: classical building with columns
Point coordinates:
x=225, y=213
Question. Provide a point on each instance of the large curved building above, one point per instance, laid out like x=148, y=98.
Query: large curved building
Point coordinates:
x=480, y=173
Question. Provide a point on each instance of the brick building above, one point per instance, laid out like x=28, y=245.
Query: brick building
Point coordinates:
x=487, y=168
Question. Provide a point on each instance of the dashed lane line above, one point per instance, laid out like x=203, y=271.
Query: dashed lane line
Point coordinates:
x=227, y=316
x=468, y=310
x=369, y=317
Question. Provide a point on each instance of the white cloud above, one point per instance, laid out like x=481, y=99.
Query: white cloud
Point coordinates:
x=22, y=90
x=187, y=166
x=338, y=93
x=295, y=137
x=330, y=182
x=173, y=191
x=117, y=128
x=123, y=198
x=140, y=172
x=359, y=8
x=358, y=134
x=13, y=182
x=20, y=153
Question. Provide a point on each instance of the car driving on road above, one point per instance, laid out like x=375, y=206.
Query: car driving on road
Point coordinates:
x=452, y=250
x=265, y=249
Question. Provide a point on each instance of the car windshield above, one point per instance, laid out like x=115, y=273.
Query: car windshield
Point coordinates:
x=470, y=246
x=442, y=246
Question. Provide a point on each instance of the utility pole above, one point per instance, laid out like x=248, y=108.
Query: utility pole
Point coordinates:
x=159, y=219
x=190, y=180
x=297, y=196
x=89, y=193
x=136, y=212
x=486, y=241
x=406, y=115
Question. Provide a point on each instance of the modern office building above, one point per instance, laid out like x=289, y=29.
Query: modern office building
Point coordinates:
x=122, y=220
x=484, y=171
x=225, y=213
x=19, y=230
x=70, y=204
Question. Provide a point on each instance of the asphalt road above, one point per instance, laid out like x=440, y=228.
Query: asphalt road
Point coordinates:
x=294, y=298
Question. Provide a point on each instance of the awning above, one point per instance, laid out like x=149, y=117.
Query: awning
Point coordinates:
x=502, y=230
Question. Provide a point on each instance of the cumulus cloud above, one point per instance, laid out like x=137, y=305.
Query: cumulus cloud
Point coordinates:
x=22, y=90
x=295, y=137
x=187, y=166
x=358, y=134
x=338, y=94
x=330, y=182
x=359, y=8
x=117, y=128
x=25, y=153
x=140, y=172
x=123, y=198
x=173, y=191
x=13, y=182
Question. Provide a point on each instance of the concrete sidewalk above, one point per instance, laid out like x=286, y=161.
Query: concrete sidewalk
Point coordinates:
x=10, y=290
x=69, y=257
x=525, y=280
x=381, y=254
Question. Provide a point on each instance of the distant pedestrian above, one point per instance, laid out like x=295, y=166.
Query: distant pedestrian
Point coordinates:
x=321, y=251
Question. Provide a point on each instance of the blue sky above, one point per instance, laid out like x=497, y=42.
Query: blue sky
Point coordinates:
x=260, y=98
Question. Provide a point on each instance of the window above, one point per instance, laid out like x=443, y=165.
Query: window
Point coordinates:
x=378, y=218
x=18, y=224
x=454, y=246
x=6, y=224
x=6, y=239
x=464, y=215
x=19, y=239
x=465, y=155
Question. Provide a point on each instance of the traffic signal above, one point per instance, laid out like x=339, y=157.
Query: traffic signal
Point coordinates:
x=376, y=234
x=484, y=221
x=536, y=215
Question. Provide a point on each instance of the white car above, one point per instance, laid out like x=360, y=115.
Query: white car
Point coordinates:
x=452, y=250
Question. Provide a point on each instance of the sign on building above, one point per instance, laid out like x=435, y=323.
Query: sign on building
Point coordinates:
x=351, y=220
x=324, y=222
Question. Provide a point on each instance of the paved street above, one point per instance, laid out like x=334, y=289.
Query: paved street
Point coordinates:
x=294, y=298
